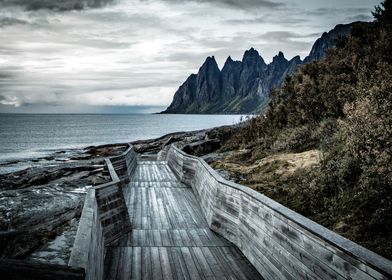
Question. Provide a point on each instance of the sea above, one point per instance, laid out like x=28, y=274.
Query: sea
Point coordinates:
x=25, y=137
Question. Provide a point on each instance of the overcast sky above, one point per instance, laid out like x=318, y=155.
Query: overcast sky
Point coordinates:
x=131, y=55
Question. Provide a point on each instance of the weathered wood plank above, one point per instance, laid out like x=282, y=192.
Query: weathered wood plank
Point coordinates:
x=165, y=263
x=280, y=243
x=146, y=263
x=156, y=263
x=170, y=232
x=137, y=263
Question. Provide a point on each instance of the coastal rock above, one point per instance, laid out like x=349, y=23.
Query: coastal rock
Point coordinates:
x=202, y=147
x=210, y=158
x=37, y=203
x=41, y=176
x=31, y=216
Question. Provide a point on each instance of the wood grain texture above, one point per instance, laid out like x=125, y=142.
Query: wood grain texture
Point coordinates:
x=88, y=250
x=280, y=243
x=104, y=217
x=189, y=223
x=170, y=237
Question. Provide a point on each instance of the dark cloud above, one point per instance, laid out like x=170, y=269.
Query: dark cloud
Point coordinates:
x=239, y=4
x=334, y=11
x=361, y=17
x=267, y=19
x=6, y=21
x=286, y=35
x=5, y=75
x=60, y=5
x=137, y=52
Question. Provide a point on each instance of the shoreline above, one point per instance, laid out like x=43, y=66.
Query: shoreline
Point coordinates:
x=59, y=190
x=41, y=204
x=61, y=155
x=46, y=138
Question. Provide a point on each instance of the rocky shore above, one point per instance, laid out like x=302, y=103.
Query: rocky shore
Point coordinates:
x=40, y=206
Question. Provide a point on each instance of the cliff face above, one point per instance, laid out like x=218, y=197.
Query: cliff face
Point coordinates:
x=327, y=41
x=240, y=87
x=243, y=86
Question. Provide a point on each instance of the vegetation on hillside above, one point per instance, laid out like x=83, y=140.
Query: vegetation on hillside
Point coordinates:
x=342, y=107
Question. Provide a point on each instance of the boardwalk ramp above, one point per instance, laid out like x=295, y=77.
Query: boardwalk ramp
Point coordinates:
x=178, y=219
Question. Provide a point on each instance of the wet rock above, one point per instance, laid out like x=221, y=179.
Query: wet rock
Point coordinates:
x=225, y=174
x=40, y=176
x=93, y=152
x=36, y=203
x=57, y=251
x=160, y=146
x=202, y=147
x=209, y=158
x=154, y=146
x=33, y=215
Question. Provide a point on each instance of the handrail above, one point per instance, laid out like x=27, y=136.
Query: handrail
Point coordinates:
x=111, y=170
x=91, y=237
x=88, y=251
x=376, y=261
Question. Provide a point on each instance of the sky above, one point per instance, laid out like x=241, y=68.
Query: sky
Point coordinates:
x=127, y=56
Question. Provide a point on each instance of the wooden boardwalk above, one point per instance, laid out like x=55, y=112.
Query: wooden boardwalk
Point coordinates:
x=170, y=237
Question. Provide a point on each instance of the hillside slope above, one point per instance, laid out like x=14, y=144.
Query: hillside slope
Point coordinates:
x=340, y=109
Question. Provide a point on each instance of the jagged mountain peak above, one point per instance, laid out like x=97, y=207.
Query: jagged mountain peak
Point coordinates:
x=209, y=66
x=296, y=59
x=230, y=63
x=210, y=61
x=253, y=65
x=242, y=86
x=279, y=58
x=251, y=52
x=251, y=55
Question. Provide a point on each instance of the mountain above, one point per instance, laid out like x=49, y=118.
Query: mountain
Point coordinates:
x=243, y=86
x=327, y=41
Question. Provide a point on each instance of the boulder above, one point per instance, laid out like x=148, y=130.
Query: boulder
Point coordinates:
x=203, y=147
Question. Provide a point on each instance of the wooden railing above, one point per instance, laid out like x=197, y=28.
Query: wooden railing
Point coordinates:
x=279, y=242
x=104, y=217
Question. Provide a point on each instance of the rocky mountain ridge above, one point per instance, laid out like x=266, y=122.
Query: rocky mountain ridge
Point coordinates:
x=243, y=87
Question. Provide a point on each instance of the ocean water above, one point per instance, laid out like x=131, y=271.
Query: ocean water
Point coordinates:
x=29, y=136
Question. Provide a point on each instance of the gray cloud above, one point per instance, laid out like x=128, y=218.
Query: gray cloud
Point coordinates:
x=241, y=4
x=6, y=21
x=334, y=11
x=362, y=17
x=286, y=35
x=60, y=5
x=137, y=52
x=267, y=19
